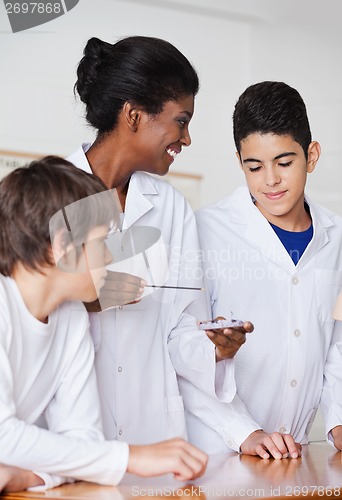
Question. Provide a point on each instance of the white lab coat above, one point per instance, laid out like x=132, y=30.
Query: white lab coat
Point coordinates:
x=294, y=354
x=139, y=346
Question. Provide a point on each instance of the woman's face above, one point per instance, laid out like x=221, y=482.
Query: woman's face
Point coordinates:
x=160, y=137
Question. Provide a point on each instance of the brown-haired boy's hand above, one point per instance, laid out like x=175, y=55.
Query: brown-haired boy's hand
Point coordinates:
x=175, y=456
x=229, y=340
x=274, y=445
x=118, y=289
x=337, y=435
x=15, y=479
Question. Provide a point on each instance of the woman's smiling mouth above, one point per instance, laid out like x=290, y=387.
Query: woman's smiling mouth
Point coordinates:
x=172, y=153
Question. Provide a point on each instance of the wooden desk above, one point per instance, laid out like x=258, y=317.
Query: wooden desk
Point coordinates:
x=318, y=474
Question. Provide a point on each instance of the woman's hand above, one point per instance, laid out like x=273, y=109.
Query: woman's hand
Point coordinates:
x=229, y=340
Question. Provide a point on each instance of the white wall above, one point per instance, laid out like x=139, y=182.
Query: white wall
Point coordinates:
x=308, y=58
x=38, y=107
x=231, y=44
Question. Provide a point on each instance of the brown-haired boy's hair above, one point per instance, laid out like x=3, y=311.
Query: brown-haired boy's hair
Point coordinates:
x=30, y=196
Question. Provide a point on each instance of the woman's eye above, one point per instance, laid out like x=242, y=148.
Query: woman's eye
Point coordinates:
x=183, y=120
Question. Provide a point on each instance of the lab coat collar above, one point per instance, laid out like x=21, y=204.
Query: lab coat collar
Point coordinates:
x=140, y=185
x=137, y=205
x=79, y=158
x=260, y=234
x=321, y=224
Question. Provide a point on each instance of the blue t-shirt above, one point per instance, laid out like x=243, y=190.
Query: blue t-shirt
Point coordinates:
x=294, y=242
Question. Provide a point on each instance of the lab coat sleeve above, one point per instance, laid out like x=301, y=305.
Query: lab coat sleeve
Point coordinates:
x=208, y=388
x=73, y=447
x=191, y=351
x=50, y=481
x=193, y=357
x=331, y=401
x=226, y=414
x=207, y=393
x=231, y=421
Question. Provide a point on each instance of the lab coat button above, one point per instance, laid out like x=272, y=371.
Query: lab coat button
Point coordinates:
x=282, y=430
x=295, y=280
x=120, y=432
x=293, y=383
x=120, y=307
x=120, y=369
x=297, y=332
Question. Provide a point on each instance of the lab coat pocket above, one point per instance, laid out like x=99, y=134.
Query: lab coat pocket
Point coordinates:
x=328, y=283
x=176, y=426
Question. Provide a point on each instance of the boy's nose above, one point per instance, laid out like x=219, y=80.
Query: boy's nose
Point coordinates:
x=272, y=178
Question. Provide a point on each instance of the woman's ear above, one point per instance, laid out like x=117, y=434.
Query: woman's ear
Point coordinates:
x=132, y=115
x=314, y=152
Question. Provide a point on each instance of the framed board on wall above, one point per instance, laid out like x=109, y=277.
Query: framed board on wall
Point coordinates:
x=10, y=160
x=188, y=184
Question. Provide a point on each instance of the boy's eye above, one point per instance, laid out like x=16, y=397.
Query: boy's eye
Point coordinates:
x=254, y=169
x=287, y=164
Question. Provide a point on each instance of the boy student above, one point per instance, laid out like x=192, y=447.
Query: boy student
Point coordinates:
x=275, y=256
x=46, y=353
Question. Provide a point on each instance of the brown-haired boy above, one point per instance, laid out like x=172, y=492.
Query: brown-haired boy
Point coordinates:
x=52, y=212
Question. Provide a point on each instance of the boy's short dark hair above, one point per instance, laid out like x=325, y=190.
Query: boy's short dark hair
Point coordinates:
x=271, y=108
x=30, y=196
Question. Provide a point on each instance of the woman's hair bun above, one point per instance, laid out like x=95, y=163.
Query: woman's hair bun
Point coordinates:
x=96, y=52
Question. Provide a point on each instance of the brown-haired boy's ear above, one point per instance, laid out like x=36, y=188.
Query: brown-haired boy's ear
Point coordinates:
x=63, y=252
x=314, y=152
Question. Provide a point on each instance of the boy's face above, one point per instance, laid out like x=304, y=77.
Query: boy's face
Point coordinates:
x=276, y=168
